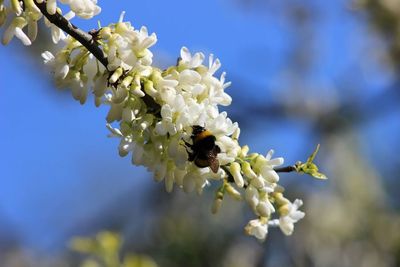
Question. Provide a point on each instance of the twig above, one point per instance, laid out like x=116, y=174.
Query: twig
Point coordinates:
x=88, y=41
x=81, y=36
x=285, y=169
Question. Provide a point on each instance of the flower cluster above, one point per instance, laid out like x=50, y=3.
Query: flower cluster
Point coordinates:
x=154, y=113
x=26, y=14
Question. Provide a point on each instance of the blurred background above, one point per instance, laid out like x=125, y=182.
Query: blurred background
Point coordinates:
x=302, y=72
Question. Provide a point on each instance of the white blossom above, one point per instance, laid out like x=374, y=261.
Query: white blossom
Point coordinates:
x=15, y=29
x=237, y=176
x=83, y=8
x=257, y=228
x=154, y=113
x=189, y=61
x=286, y=222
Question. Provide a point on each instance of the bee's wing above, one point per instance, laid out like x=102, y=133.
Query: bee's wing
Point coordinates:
x=212, y=160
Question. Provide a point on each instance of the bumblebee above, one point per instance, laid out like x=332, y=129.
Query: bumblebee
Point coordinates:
x=204, y=150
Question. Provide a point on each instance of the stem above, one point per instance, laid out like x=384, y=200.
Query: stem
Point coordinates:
x=81, y=36
x=285, y=169
x=89, y=42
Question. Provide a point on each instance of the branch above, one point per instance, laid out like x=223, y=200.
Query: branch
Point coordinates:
x=81, y=36
x=286, y=169
x=88, y=41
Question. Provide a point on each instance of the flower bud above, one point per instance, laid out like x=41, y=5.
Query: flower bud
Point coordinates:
x=16, y=7
x=127, y=114
x=126, y=82
x=160, y=171
x=32, y=29
x=30, y=4
x=149, y=88
x=269, y=174
x=179, y=175
x=51, y=7
x=119, y=96
x=244, y=150
x=258, y=182
x=116, y=75
x=15, y=29
x=169, y=179
x=247, y=170
x=216, y=205
x=97, y=101
x=265, y=208
x=188, y=183
x=233, y=192
x=252, y=196
x=284, y=210
x=237, y=176
x=100, y=85
x=280, y=199
x=236, y=134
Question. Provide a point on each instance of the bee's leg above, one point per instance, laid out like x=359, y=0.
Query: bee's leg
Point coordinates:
x=187, y=144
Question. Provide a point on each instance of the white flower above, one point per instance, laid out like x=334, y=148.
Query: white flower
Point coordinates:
x=195, y=178
x=257, y=228
x=229, y=149
x=48, y=58
x=51, y=6
x=265, y=166
x=83, y=8
x=286, y=222
x=265, y=208
x=248, y=171
x=189, y=61
x=100, y=84
x=252, y=196
x=213, y=66
x=237, y=176
x=174, y=117
x=58, y=63
x=125, y=146
x=144, y=41
x=78, y=86
x=258, y=182
x=15, y=29
x=115, y=132
x=128, y=48
x=177, y=151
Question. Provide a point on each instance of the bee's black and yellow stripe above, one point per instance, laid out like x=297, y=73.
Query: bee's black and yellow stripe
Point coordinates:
x=204, y=149
x=201, y=136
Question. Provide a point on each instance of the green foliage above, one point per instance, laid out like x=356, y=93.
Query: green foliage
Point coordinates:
x=309, y=167
x=104, y=251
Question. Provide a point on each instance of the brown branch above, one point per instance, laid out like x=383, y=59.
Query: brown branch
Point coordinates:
x=88, y=41
x=81, y=36
x=285, y=169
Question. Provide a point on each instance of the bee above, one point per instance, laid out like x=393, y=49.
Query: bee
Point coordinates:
x=204, y=150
